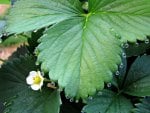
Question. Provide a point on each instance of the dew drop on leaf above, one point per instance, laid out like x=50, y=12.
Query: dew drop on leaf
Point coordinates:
x=121, y=66
x=124, y=55
x=147, y=41
x=77, y=101
x=37, y=63
x=126, y=45
x=82, y=111
x=71, y=100
x=53, y=83
x=117, y=73
x=108, y=84
x=67, y=97
x=35, y=31
x=136, y=44
x=4, y=34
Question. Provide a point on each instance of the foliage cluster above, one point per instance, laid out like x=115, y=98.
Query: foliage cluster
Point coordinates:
x=94, y=55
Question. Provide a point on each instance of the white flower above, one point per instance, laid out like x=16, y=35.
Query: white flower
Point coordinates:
x=35, y=79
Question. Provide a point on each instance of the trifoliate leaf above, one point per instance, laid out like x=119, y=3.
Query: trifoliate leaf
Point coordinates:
x=79, y=56
x=108, y=102
x=138, y=78
x=143, y=107
x=36, y=14
x=17, y=96
x=129, y=20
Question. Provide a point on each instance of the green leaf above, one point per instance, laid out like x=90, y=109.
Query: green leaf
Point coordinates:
x=21, y=51
x=143, y=107
x=120, y=74
x=33, y=41
x=5, y=2
x=108, y=102
x=79, y=56
x=86, y=58
x=1, y=107
x=138, y=78
x=2, y=26
x=14, y=40
x=137, y=49
x=36, y=14
x=128, y=19
x=16, y=94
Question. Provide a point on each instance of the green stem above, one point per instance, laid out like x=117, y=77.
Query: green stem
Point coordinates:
x=46, y=80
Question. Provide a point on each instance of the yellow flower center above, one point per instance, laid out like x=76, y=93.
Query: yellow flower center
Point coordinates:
x=36, y=79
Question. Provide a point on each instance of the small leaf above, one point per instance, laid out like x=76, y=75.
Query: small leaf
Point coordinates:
x=143, y=107
x=138, y=78
x=36, y=14
x=108, y=102
x=14, y=40
x=16, y=94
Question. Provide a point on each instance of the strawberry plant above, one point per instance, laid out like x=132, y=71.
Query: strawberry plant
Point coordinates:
x=89, y=56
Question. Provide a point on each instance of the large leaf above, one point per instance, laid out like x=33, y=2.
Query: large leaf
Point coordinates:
x=36, y=14
x=108, y=102
x=143, y=107
x=137, y=82
x=128, y=19
x=81, y=60
x=16, y=94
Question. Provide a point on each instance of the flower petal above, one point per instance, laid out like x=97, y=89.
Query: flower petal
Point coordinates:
x=29, y=80
x=35, y=87
x=33, y=73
